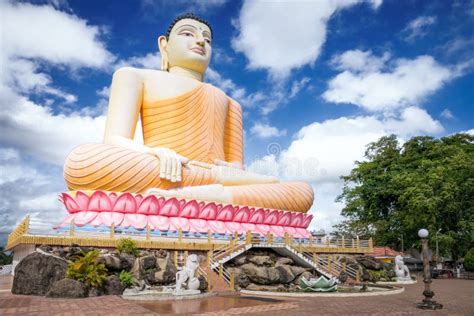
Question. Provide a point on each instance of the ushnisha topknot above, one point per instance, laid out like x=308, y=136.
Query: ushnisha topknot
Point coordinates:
x=186, y=16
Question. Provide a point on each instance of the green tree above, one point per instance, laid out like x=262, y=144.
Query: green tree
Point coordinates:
x=4, y=257
x=398, y=189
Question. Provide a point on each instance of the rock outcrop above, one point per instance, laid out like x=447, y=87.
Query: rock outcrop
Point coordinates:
x=67, y=288
x=37, y=272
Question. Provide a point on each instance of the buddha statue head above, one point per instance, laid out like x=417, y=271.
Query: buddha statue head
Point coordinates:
x=187, y=44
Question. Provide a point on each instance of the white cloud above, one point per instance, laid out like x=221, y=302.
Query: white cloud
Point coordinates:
x=270, y=43
x=384, y=85
x=298, y=85
x=322, y=152
x=418, y=27
x=149, y=61
x=264, y=130
x=36, y=131
x=447, y=114
x=55, y=36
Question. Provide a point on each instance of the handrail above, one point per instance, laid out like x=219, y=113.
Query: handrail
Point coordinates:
x=37, y=230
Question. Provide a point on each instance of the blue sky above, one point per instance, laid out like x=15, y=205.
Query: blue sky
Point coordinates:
x=318, y=80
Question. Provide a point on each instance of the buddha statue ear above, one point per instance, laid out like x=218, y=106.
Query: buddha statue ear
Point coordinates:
x=162, y=42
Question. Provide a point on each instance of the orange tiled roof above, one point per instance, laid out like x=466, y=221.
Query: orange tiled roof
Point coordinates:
x=384, y=252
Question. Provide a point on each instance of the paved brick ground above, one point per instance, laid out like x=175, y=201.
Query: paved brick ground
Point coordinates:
x=457, y=296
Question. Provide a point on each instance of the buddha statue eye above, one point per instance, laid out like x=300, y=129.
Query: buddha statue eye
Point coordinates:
x=187, y=34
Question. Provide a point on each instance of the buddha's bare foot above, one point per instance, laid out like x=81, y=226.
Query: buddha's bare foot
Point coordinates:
x=213, y=192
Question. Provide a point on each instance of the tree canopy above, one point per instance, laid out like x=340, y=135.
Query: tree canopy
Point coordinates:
x=424, y=183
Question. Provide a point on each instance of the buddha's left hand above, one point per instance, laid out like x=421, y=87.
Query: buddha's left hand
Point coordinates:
x=235, y=164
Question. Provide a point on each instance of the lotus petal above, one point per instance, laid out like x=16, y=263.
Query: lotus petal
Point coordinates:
x=199, y=225
x=257, y=217
x=138, y=199
x=232, y=227
x=248, y=227
x=109, y=218
x=285, y=219
x=82, y=200
x=278, y=231
x=83, y=218
x=262, y=229
x=179, y=222
x=67, y=220
x=125, y=204
x=209, y=212
x=242, y=215
x=271, y=218
x=149, y=206
x=307, y=221
x=112, y=197
x=290, y=230
x=170, y=208
x=99, y=202
x=70, y=204
x=216, y=226
x=302, y=232
x=138, y=221
x=125, y=223
x=296, y=220
x=226, y=213
x=190, y=210
x=159, y=222
x=97, y=221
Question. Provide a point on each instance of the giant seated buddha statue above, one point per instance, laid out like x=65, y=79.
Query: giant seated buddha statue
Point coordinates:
x=192, y=151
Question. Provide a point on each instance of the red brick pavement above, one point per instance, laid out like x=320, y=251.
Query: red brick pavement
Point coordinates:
x=457, y=296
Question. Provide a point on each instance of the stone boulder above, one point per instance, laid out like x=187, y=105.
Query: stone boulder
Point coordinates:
x=261, y=275
x=37, y=272
x=202, y=283
x=240, y=260
x=112, y=262
x=67, y=288
x=148, y=262
x=284, y=260
x=166, y=271
x=113, y=286
x=296, y=270
x=370, y=263
x=307, y=275
x=242, y=281
x=286, y=274
x=261, y=260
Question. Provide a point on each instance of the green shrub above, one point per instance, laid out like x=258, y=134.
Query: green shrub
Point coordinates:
x=86, y=269
x=128, y=246
x=469, y=260
x=374, y=275
x=126, y=278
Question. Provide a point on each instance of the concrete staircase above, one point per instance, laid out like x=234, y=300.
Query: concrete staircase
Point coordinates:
x=324, y=264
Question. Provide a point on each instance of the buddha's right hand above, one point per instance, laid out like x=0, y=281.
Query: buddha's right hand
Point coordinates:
x=170, y=163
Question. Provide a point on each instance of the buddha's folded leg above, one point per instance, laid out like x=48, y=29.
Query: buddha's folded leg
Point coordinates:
x=114, y=168
x=291, y=196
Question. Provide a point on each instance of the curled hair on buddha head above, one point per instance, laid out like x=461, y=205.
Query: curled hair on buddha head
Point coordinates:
x=188, y=15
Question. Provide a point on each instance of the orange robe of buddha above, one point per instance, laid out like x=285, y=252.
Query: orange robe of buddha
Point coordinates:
x=202, y=125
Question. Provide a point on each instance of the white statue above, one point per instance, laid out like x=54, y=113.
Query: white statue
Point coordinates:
x=186, y=282
x=401, y=270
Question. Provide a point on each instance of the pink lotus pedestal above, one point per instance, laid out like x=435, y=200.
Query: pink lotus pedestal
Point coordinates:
x=170, y=214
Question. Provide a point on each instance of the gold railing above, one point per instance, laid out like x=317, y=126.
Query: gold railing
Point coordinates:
x=18, y=232
x=24, y=234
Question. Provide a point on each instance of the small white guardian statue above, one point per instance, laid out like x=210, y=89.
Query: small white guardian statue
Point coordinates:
x=401, y=270
x=186, y=282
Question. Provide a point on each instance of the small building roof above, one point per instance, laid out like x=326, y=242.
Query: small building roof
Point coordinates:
x=384, y=252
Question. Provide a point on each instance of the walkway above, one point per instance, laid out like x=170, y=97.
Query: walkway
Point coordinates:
x=456, y=295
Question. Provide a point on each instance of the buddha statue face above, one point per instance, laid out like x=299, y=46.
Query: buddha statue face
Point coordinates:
x=188, y=46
